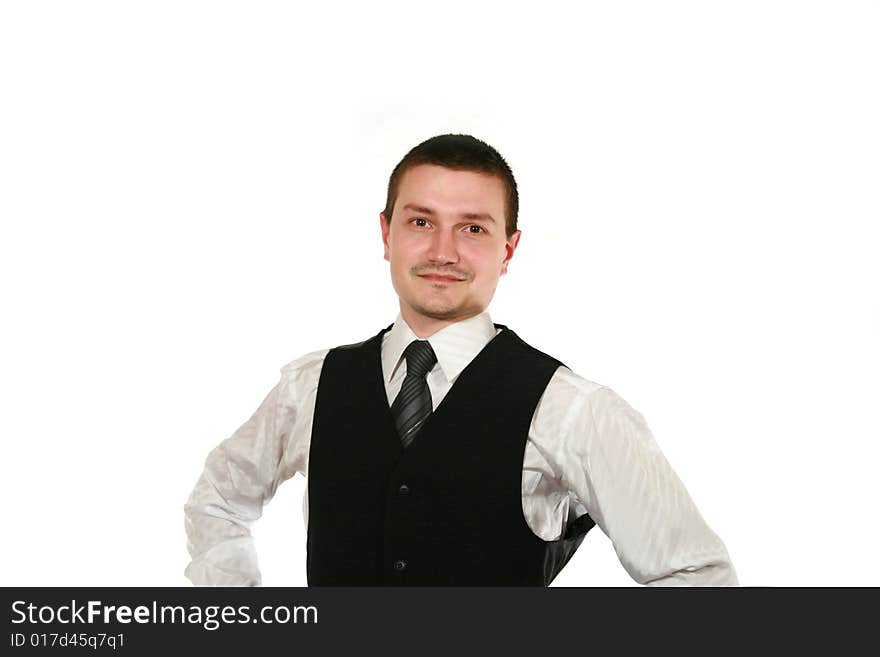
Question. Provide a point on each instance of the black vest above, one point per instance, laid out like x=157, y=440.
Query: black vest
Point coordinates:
x=445, y=511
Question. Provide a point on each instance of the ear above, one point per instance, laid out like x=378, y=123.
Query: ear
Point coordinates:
x=386, y=228
x=509, y=248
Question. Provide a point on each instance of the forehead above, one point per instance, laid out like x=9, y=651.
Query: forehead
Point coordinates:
x=451, y=190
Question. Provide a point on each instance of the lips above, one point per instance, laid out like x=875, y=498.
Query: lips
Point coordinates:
x=441, y=279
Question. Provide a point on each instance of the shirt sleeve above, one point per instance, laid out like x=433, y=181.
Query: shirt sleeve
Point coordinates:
x=632, y=493
x=242, y=474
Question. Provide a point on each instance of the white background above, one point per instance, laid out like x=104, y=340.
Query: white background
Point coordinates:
x=189, y=196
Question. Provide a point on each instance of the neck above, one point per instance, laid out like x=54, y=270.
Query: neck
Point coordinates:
x=424, y=326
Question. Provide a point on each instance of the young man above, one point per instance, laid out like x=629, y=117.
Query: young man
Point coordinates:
x=445, y=450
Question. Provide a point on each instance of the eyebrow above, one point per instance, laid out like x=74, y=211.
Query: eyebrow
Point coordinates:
x=471, y=216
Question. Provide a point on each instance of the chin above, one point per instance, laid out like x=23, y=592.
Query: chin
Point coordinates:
x=437, y=312
x=445, y=312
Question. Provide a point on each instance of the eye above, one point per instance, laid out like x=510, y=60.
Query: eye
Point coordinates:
x=479, y=230
x=419, y=219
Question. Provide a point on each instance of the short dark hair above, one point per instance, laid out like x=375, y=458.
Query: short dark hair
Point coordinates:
x=462, y=152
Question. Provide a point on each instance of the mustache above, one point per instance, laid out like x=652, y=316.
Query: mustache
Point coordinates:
x=452, y=273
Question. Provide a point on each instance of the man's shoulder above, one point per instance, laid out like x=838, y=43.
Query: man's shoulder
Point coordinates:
x=566, y=382
x=305, y=365
x=383, y=334
x=572, y=390
x=310, y=364
x=516, y=342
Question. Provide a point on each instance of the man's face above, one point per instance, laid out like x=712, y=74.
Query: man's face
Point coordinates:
x=446, y=241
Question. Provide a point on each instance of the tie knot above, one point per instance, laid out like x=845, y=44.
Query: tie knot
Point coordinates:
x=420, y=358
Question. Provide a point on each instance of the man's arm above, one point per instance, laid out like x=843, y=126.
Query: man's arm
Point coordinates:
x=227, y=499
x=630, y=490
x=242, y=474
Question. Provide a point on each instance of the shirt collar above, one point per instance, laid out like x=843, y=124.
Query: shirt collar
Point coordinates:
x=455, y=345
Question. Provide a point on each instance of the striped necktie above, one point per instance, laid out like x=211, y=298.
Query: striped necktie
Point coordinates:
x=413, y=403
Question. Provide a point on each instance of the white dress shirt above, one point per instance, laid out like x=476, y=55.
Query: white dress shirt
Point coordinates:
x=587, y=451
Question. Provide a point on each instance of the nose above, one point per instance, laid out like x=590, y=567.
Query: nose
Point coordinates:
x=442, y=248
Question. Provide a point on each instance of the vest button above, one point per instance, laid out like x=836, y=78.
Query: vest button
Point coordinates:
x=403, y=490
x=400, y=564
